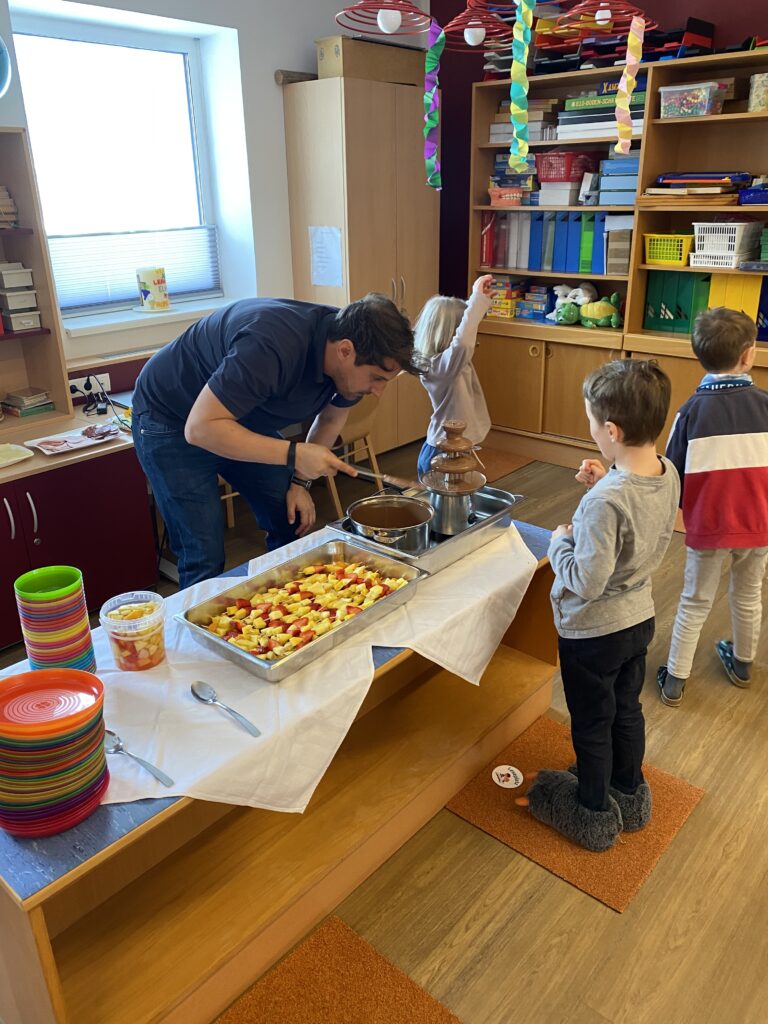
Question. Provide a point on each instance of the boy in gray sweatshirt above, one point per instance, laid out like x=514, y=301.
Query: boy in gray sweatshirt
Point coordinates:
x=603, y=606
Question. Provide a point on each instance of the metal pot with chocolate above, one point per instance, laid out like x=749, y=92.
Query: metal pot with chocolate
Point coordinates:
x=398, y=521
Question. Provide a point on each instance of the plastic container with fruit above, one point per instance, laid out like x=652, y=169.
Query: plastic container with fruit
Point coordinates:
x=135, y=625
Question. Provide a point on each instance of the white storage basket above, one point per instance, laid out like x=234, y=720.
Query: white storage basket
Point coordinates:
x=727, y=238
x=720, y=260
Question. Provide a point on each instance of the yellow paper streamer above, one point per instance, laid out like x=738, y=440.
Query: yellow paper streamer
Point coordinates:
x=628, y=83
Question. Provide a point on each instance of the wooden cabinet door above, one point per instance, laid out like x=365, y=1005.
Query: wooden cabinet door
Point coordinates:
x=13, y=562
x=93, y=515
x=566, y=367
x=685, y=375
x=414, y=409
x=369, y=148
x=511, y=372
x=418, y=206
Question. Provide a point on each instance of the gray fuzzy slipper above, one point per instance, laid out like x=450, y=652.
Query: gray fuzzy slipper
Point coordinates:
x=636, y=808
x=553, y=799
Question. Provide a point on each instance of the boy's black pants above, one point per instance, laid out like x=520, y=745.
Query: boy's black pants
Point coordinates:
x=603, y=678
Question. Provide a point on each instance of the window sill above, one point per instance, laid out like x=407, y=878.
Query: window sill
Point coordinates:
x=131, y=320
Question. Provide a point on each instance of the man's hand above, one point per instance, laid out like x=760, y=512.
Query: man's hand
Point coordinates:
x=563, y=530
x=590, y=471
x=299, y=503
x=314, y=460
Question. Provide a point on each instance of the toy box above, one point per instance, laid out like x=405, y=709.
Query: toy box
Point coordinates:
x=692, y=100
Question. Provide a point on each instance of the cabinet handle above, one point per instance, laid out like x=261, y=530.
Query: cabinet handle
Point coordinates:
x=9, y=510
x=402, y=289
x=533, y=351
x=34, y=513
x=549, y=351
x=394, y=290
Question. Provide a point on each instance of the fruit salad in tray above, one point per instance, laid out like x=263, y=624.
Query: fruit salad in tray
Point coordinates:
x=278, y=621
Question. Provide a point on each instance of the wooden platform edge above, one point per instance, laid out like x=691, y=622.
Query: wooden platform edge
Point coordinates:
x=217, y=992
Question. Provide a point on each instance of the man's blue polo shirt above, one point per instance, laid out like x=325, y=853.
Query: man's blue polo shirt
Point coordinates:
x=262, y=359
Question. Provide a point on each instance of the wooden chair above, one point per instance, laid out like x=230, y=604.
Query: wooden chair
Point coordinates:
x=356, y=442
x=228, y=497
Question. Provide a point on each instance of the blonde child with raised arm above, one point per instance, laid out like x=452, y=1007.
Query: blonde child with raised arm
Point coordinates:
x=445, y=335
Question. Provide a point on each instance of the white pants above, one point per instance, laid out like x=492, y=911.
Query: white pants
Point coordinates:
x=703, y=568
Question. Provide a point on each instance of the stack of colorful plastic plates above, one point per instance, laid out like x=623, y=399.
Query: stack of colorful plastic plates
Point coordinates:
x=53, y=770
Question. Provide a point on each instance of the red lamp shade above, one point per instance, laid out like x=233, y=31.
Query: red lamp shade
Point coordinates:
x=478, y=30
x=592, y=17
x=384, y=17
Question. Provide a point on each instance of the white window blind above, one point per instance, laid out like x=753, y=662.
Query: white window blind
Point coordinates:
x=100, y=270
x=115, y=147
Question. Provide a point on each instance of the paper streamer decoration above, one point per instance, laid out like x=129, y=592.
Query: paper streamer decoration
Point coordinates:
x=518, y=89
x=628, y=83
x=432, y=104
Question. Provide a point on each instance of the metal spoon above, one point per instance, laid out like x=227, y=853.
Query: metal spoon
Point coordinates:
x=207, y=695
x=114, y=745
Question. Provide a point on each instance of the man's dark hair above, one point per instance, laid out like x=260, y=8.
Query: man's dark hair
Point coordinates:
x=632, y=393
x=720, y=336
x=379, y=331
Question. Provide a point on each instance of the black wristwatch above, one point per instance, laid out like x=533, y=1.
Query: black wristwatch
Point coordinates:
x=291, y=461
x=306, y=484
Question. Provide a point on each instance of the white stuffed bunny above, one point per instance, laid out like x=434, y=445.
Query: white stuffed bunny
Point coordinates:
x=585, y=293
x=562, y=293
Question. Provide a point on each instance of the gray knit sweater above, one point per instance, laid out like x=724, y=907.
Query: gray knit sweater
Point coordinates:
x=621, y=531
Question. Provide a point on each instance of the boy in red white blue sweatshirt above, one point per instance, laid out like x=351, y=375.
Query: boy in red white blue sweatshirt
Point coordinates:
x=719, y=445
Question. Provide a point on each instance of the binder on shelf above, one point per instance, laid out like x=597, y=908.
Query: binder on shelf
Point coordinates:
x=598, y=245
x=560, y=244
x=762, y=312
x=668, y=301
x=548, y=241
x=587, y=238
x=502, y=233
x=692, y=298
x=510, y=258
x=717, y=291
x=523, y=239
x=536, y=240
x=573, y=243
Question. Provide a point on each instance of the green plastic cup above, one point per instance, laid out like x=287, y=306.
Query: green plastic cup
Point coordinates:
x=48, y=584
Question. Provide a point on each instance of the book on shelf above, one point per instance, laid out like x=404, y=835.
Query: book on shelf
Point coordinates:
x=695, y=190
x=34, y=410
x=593, y=101
x=26, y=396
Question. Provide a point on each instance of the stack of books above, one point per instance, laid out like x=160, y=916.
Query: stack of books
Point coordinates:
x=541, y=121
x=29, y=401
x=502, y=177
x=9, y=215
x=719, y=188
x=618, y=181
x=594, y=113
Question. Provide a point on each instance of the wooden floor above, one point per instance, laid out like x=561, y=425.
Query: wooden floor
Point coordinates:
x=501, y=941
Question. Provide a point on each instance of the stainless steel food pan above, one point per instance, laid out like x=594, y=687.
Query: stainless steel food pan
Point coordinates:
x=200, y=615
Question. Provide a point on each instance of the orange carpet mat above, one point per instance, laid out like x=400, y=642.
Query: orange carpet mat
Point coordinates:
x=613, y=877
x=335, y=977
x=499, y=463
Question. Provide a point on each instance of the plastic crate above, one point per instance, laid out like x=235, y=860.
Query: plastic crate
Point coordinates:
x=668, y=250
x=753, y=196
x=506, y=196
x=720, y=260
x=565, y=165
x=728, y=237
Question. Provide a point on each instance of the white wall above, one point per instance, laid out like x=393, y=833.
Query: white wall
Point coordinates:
x=272, y=35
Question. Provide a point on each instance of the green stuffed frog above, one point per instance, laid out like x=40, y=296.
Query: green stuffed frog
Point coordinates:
x=603, y=313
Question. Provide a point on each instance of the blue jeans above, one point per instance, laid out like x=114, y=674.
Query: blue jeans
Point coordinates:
x=427, y=453
x=184, y=481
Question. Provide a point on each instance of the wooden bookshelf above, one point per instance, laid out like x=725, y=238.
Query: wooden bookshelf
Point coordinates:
x=30, y=358
x=531, y=360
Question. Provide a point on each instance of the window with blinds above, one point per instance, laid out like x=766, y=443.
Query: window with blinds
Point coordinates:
x=119, y=168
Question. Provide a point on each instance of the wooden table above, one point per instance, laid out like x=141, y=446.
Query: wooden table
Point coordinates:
x=165, y=910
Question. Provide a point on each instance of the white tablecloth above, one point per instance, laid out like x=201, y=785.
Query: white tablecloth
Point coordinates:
x=456, y=619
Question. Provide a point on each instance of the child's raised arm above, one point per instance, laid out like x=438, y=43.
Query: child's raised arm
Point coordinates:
x=462, y=347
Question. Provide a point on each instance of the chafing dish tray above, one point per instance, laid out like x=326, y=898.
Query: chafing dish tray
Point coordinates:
x=345, y=550
x=492, y=509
